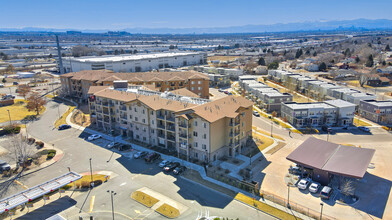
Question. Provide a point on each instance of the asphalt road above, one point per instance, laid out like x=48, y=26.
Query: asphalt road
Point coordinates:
x=128, y=175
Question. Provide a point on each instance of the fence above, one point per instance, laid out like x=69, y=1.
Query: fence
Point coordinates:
x=246, y=186
x=294, y=206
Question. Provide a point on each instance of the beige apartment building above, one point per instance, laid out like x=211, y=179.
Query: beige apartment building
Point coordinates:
x=195, y=128
x=77, y=84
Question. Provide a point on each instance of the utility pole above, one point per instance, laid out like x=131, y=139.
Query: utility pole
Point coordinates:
x=271, y=127
x=59, y=55
x=288, y=196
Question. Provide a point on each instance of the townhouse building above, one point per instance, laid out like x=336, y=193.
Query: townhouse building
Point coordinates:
x=77, y=84
x=376, y=111
x=195, y=128
x=316, y=114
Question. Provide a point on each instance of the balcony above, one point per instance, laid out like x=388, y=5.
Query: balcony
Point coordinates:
x=123, y=108
x=183, y=136
x=171, y=128
x=183, y=145
x=105, y=103
x=160, y=116
x=161, y=126
x=172, y=119
x=171, y=138
x=234, y=124
x=123, y=117
x=161, y=136
x=183, y=125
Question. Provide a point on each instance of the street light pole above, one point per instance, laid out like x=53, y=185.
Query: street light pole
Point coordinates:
x=9, y=115
x=271, y=128
x=321, y=212
x=91, y=174
x=111, y=197
x=288, y=196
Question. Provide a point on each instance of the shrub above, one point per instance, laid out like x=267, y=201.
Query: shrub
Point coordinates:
x=97, y=182
x=50, y=155
x=30, y=140
x=40, y=144
x=85, y=184
x=12, y=129
x=51, y=151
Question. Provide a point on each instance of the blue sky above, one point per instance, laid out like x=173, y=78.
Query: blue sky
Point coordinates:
x=119, y=14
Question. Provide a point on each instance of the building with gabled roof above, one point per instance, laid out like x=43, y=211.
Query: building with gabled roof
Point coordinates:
x=196, y=128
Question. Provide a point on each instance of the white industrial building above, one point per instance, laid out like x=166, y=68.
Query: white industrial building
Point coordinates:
x=134, y=63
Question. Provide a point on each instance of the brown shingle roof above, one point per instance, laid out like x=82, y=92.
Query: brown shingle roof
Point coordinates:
x=185, y=92
x=90, y=75
x=95, y=89
x=221, y=108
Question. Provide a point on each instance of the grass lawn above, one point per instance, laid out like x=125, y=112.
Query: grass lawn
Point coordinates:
x=168, y=211
x=144, y=199
x=17, y=111
x=262, y=141
x=264, y=207
x=300, y=99
x=267, y=133
x=359, y=122
x=62, y=119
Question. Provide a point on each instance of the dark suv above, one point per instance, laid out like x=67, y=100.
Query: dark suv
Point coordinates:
x=151, y=157
x=4, y=166
x=171, y=166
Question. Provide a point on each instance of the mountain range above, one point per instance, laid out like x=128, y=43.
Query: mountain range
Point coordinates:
x=354, y=25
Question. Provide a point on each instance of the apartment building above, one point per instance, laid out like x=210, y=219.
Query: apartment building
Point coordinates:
x=376, y=111
x=77, y=83
x=134, y=63
x=316, y=114
x=230, y=72
x=195, y=128
x=219, y=80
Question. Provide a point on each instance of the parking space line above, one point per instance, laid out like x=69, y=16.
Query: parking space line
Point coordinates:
x=91, y=204
x=21, y=184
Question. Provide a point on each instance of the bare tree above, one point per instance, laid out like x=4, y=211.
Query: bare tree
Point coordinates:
x=20, y=149
x=35, y=102
x=23, y=90
x=363, y=78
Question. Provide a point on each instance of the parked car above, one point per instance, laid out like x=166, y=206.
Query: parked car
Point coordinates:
x=230, y=93
x=256, y=113
x=112, y=144
x=179, y=170
x=326, y=128
x=226, y=92
x=94, y=137
x=15, y=83
x=363, y=128
x=140, y=154
x=314, y=187
x=151, y=157
x=326, y=192
x=123, y=147
x=1, y=85
x=295, y=170
x=220, y=90
x=8, y=96
x=303, y=184
x=64, y=126
x=171, y=166
x=4, y=166
x=164, y=163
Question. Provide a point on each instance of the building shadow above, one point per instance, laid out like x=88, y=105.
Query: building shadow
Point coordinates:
x=50, y=209
x=373, y=193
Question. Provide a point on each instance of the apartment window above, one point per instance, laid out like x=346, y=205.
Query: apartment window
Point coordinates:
x=205, y=125
x=204, y=146
x=195, y=134
x=144, y=112
x=242, y=124
x=136, y=119
x=199, y=82
x=152, y=113
x=152, y=121
x=137, y=137
x=152, y=131
x=199, y=93
x=193, y=88
x=130, y=107
x=144, y=139
x=196, y=155
x=199, y=88
x=195, y=144
x=130, y=116
x=117, y=110
x=204, y=136
x=137, y=128
x=144, y=129
x=144, y=120
x=195, y=123
x=135, y=109
x=193, y=82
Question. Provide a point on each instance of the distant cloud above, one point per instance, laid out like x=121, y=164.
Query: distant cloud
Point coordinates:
x=159, y=22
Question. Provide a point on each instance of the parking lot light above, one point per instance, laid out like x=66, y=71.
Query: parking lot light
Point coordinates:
x=321, y=212
x=288, y=196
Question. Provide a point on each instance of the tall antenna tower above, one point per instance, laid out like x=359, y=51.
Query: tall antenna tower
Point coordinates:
x=59, y=55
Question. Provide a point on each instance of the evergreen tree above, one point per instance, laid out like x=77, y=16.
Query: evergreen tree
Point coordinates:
x=370, y=62
x=298, y=53
x=261, y=61
x=323, y=67
x=387, y=48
